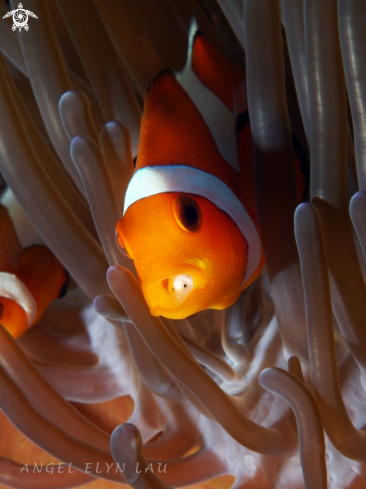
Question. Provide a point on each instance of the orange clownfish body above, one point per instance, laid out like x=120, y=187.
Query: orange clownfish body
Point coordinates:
x=190, y=221
x=30, y=278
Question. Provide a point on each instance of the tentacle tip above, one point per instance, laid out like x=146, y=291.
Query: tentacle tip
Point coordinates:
x=70, y=94
x=124, y=438
x=63, y=99
x=303, y=209
x=293, y=359
x=78, y=140
x=112, y=125
x=263, y=375
x=97, y=302
x=116, y=271
x=357, y=197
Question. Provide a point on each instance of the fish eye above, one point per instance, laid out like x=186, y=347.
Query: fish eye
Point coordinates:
x=187, y=213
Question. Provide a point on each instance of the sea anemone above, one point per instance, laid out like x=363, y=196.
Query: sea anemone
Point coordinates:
x=270, y=392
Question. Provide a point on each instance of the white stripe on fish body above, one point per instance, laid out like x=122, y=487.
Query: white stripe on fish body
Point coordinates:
x=13, y=288
x=153, y=180
x=216, y=115
x=26, y=232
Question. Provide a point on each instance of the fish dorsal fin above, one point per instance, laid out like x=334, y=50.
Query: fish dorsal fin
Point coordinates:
x=174, y=132
x=9, y=243
x=215, y=113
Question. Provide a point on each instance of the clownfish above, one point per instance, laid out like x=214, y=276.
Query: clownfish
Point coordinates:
x=189, y=220
x=30, y=275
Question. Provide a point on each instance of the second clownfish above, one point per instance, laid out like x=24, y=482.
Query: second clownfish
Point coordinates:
x=30, y=276
x=190, y=222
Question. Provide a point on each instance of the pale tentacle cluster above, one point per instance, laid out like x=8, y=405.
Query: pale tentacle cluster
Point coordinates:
x=270, y=391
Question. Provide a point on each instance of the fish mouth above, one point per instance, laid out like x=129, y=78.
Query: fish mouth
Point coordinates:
x=176, y=291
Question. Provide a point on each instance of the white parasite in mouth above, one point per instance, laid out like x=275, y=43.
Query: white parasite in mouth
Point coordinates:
x=181, y=285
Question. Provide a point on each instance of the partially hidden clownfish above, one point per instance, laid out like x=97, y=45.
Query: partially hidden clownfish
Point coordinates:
x=30, y=275
x=189, y=220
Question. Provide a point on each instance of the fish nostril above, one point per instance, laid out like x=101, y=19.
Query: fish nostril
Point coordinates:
x=187, y=213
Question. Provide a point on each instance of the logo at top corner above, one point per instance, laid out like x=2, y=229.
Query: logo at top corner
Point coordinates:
x=20, y=18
